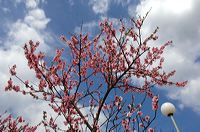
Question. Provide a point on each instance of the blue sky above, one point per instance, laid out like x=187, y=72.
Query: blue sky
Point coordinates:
x=46, y=20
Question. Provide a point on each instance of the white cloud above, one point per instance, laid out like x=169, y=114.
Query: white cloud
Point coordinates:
x=99, y=6
x=132, y=10
x=20, y=33
x=178, y=21
x=122, y=2
x=31, y=27
x=102, y=6
x=189, y=96
x=36, y=18
x=31, y=3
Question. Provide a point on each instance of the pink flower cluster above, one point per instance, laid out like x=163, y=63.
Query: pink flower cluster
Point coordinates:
x=118, y=101
x=125, y=124
x=10, y=86
x=155, y=103
x=12, y=70
x=150, y=130
x=9, y=124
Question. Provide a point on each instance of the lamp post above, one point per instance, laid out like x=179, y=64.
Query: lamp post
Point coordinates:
x=168, y=109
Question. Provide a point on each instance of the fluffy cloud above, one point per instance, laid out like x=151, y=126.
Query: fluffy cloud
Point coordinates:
x=32, y=26
x=36, y=19
x=102, y=6
x=99, y=6
x=189, y=96
x=122, y=2
x=31, y=3
x=178, y=21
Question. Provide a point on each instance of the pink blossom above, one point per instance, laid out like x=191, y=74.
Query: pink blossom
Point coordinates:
x=16, y=88
x=74, y=40
x=26, y=83
x=12, y=70
x=150, y=130
x=63, y=38
x=134, y=120
x=181, y=84
x=9, y=85
x=139, y=113
x=75, y=62
x=20, y=119
x=124, y=123
x=118, y=100
x=141, y=125
x=147, y=118
x=42, y=84
x=155, y=103
x=129, y=114
x=138, y=23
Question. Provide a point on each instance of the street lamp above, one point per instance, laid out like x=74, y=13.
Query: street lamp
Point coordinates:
x=168, y=109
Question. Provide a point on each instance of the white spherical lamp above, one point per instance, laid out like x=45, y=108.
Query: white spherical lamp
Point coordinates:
x=168, y=109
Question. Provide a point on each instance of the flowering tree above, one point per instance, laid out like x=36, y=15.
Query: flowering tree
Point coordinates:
x=105, y=82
